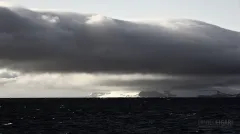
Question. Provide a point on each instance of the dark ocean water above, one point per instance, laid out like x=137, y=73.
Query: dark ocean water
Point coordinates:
x=133, y=115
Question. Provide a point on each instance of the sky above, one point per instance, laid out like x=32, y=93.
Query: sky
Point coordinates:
x=119, y=49
x=220, y=12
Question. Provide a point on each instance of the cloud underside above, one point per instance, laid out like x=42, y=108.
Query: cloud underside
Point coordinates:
x=67, y=42
x=187, y=83
x=200, y=55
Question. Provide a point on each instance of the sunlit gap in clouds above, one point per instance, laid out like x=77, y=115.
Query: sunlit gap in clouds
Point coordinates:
x=17, y=84
x=5, y=3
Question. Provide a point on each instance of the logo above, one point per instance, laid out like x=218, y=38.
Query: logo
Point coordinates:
x=215, y=123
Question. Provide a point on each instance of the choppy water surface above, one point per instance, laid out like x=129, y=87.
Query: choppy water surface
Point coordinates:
x=132, y=115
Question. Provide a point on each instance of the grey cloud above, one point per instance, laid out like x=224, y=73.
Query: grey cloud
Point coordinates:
x=6, y=81
x=8, y=75
x=32, y=43
x=226, y=83
x=150, y=94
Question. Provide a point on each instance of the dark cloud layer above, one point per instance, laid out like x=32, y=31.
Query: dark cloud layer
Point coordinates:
x=181, y=83
x=70, y=42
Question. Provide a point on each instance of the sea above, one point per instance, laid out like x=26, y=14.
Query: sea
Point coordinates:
x=120, y=116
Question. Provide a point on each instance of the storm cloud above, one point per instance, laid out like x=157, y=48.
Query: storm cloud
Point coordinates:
x=34, y=41
x=95, y=53
x=179, y=83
